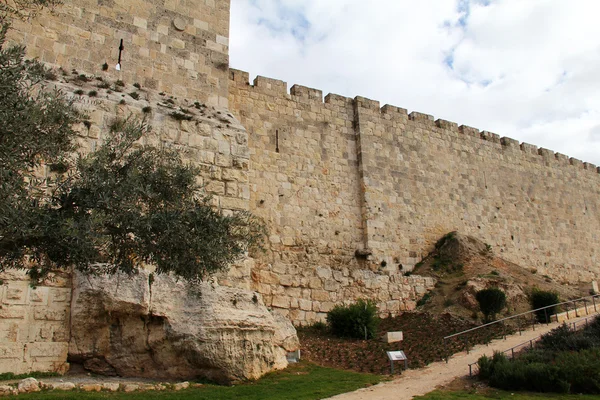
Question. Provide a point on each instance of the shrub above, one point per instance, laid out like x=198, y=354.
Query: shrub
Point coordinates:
x=540, y=299
x=487, y=365
x=581, y=370
x=424, y=300
x=358, y=320
x=318, y=326
x=491, y=301
x=563, y=339
x=565, y=361
x=522, y=375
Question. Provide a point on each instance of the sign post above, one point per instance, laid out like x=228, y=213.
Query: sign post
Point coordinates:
x=397, y=356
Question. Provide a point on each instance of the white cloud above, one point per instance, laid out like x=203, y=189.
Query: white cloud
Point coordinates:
x=524, y=69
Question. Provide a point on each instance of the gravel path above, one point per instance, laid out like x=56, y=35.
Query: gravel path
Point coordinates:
x=417, y=382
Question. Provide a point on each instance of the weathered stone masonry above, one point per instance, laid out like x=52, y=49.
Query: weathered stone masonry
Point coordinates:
x=340, y=175
x=305, y=182
x=354, y=194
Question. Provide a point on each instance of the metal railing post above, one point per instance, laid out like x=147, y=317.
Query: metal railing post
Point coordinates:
x=446, y=350
x=546, y=316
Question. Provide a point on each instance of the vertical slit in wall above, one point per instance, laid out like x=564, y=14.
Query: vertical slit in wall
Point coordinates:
x=277, y=140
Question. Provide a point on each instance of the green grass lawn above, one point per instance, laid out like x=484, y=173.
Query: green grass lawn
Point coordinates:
x=302, y=381
x=498, y=394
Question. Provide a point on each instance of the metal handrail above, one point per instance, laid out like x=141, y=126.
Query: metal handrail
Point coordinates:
x=531, y=341
x=593, y=297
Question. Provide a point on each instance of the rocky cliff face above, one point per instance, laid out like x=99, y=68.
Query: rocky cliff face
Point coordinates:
x=158, y=327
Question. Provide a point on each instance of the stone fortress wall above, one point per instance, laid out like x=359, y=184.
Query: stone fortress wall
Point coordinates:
x=338, y=175
x=335, y=180
x=305, y=182
x=177, y=53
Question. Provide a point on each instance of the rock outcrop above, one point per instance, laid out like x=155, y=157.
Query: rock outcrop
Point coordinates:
x=158, y=327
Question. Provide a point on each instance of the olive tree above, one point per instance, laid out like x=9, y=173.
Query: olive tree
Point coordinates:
x=115, y=209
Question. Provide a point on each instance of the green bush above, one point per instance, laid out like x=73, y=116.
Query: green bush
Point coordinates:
x=581, y=369
x=563, y=339
x=358, y=320
x=491, y=301
x=564, y=361
x=522, y=375
x=542, y=298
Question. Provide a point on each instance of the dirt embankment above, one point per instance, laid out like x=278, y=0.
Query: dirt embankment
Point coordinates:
x=464, y=265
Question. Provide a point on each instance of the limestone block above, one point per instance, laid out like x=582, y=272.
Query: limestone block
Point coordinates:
x=49, y=314
x=331, y=285
x=16, y=293
x=66, y=386
x=28, y=385
x=315, y=283
x=181, y=385
x=49, y=349
x=227, y=334
x=392, y=337
x=305, y=305
x=6, y=390
x=281, y=301
x=324, y=273
x=130, y=387
x=91, y=387
x=320, y=295
x=11, y=350
x=13, y=312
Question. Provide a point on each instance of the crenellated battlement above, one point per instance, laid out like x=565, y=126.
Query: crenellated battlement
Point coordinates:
x=307, y=95
x=394, y=181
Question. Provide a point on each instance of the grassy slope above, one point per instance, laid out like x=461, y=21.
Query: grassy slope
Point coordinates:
x=303, y=381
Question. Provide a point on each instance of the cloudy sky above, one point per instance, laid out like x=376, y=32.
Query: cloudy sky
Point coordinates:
x=526, y=69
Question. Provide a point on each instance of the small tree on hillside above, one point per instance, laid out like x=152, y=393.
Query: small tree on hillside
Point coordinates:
x=546, y=300
x=112, y=210
x=491, y=302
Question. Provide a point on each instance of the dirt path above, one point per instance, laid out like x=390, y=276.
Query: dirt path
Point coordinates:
x=416, y=382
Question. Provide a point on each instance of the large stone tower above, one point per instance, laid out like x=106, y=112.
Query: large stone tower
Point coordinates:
x=176, y=46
